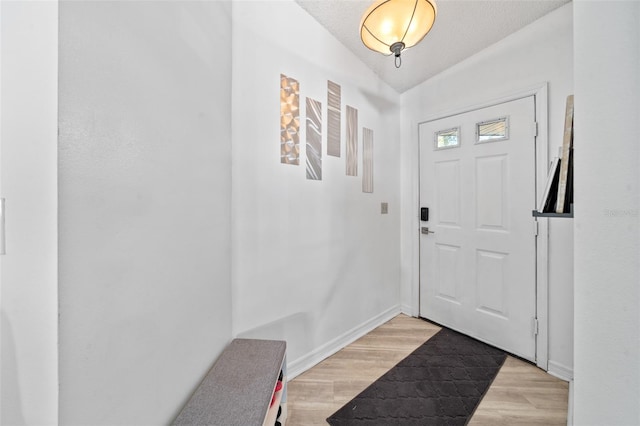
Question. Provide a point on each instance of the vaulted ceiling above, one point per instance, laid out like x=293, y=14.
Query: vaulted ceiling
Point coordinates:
x=462, y=28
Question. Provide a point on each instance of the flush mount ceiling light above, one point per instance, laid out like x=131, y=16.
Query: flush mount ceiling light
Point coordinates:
x=390, y=26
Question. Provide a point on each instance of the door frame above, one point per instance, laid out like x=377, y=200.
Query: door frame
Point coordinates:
x=540, y=94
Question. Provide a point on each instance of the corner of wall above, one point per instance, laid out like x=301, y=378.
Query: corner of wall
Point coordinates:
x=28, y=177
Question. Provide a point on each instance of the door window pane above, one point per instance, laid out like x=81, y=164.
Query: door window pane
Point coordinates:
x=449, y=138
x=493, y=130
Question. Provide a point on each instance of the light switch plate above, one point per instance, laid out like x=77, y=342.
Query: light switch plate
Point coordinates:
x=384, y=208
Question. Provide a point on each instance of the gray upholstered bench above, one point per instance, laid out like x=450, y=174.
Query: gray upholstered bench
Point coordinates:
x=239, y=388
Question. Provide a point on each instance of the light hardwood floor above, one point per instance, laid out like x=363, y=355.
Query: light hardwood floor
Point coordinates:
x=521, y=394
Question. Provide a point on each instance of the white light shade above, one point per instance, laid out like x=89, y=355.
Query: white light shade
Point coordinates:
x=396, y=21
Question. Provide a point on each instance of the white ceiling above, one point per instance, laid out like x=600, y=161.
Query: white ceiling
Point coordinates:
x=462, y=28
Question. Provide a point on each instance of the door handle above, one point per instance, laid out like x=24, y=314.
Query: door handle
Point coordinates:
x=425, y=230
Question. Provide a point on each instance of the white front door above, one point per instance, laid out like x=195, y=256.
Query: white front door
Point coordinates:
x=478, y=267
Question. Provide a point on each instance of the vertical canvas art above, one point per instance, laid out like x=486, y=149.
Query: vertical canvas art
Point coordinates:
x=289, y=120
x=352, y=141
x=367, y=160
x=314, y=139
x=333, y=118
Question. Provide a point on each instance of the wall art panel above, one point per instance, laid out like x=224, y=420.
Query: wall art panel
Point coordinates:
x=314, y=139
x=333, y=118
x=367, y=160
x=352, y=141
x=289, y=120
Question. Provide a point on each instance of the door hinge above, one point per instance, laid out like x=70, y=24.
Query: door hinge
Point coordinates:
x=535, y=228
x=535, y=326
x=535, y=129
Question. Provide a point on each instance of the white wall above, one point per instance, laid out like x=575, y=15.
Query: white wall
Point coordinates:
x=145, y=195
x=314, y=262
x=607, y=232
x=144, y=206
x=28, y=296
x=541, y=52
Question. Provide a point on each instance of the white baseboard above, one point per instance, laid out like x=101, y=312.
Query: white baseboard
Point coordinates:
x=406, y=309
x=305, y=362
x=560, y=371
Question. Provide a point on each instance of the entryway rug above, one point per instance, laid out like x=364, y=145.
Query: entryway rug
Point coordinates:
x=440, y=383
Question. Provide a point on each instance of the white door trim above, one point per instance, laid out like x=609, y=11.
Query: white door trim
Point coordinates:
x=540, y=93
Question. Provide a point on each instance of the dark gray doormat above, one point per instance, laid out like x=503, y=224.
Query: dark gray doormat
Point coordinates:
x=440, y=383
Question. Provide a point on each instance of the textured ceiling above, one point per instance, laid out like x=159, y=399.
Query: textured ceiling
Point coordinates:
x=462, y=28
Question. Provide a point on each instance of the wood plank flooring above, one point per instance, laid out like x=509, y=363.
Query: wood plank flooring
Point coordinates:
x=521, y=394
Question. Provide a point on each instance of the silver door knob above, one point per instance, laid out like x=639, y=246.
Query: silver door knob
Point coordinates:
x=425, y=230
